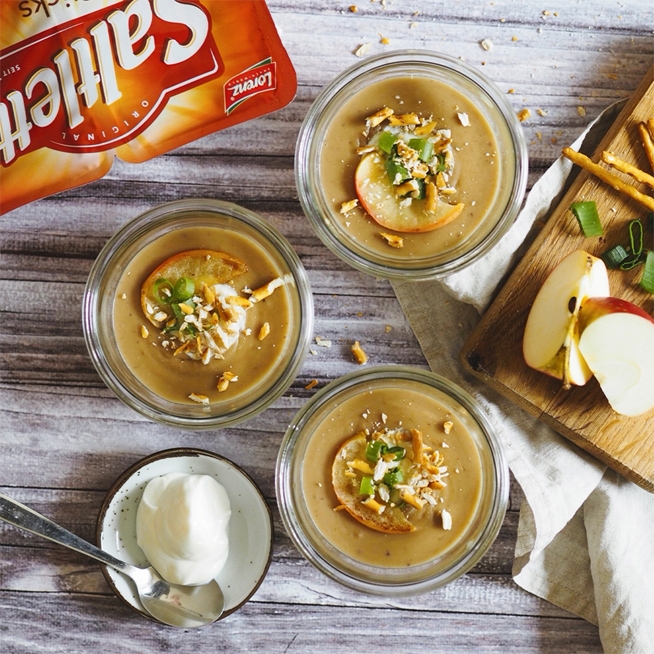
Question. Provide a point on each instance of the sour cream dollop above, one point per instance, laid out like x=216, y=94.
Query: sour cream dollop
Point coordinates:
x=181, y=526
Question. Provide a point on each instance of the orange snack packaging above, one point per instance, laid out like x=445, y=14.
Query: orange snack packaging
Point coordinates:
x=83, y=81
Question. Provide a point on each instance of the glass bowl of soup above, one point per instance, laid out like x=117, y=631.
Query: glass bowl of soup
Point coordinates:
x=198, y=313
x=411, y=165
x=392, y=481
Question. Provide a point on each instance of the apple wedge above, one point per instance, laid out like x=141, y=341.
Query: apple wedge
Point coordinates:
x=617, y=342
x=378, y=197
x=550, y=341
x=192, y=269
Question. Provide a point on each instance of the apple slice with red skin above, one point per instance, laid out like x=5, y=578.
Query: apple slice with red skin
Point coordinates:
x=617, y=342
x=377, y=196
x=550, y=341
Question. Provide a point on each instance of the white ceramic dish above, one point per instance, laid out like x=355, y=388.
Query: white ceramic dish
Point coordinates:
x=250, y=527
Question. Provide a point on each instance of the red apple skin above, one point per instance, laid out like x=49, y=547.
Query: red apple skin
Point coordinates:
x=594, y=307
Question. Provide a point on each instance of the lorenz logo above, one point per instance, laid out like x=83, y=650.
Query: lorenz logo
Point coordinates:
x=110, y=80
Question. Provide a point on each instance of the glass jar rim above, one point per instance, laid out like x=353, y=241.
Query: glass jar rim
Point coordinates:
x=286, y=460
x=155, y=219
x=304, y=175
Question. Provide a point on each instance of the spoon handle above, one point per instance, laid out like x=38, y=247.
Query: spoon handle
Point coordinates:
x=20, y=516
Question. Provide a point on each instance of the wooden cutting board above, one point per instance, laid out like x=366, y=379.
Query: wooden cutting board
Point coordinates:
x=494, y=350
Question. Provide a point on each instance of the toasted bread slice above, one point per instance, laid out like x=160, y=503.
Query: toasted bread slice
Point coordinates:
x=204, y=267
x=391, y=520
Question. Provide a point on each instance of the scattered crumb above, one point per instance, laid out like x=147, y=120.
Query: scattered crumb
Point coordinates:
x=388, y=328
x=446, y=517
x=264, y=331
x=413, y=25
x=225, y=379
x=348, y=206
x=323, y=342
x=541, y=112
x=312, y=384
x=314, y=352
x=384, y=40
x=353, y=9
x=486, y=44
x=581, y=111
x=359, y=354
x=393, y=240
x=523, y=114
x=514, y=38
x=464, y=119
x=362, y=49
x=511, y=91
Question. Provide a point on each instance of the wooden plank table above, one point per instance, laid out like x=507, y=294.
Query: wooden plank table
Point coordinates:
x=65, y=437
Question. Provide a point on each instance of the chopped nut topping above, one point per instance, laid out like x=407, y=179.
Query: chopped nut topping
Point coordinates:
x=265, y=291
x=360, y=356
x=348, y=206
x=264, y=331
x=200, y=399
x=225, y=379
x=393, y=240
x=447, y=426
x=144, y=331
x=464, y=119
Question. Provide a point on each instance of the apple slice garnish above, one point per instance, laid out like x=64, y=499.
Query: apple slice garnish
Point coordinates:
x=185, y=274
x=378, y=198
x=617, y=342
x=550, y=341
x=391, y=520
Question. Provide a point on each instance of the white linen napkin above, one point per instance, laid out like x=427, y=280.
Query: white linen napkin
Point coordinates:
x=586, y=535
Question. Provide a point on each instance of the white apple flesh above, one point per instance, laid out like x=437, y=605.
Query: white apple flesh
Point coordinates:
x=377, y=196
x=550, y=341
x=617, y=342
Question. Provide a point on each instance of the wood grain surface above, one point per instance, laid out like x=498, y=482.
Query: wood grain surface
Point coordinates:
x=494, y=350
x=65, y=438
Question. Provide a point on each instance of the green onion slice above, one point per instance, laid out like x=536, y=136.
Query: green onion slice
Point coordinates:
x=386, y=141
x=614, y=256
x=588, y=218
x=424, y=148
x=397, y=173
x=374, y=450
x=184, y=289
x=393, y=477
x=398, y=451
x=163, y=290
x=636, y=236
x=366, y=487
x=647, y=280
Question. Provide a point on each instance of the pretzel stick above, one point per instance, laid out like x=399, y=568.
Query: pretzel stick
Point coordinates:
x=607, y=177
x=648, y=144
x=650, y=127
x=624, y=167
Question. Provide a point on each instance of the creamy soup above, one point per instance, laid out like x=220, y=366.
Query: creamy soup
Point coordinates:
x=393, y=408
x=252, y=364
x=477, y=173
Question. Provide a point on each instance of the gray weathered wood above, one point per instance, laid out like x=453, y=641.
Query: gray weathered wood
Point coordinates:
x=65, y=437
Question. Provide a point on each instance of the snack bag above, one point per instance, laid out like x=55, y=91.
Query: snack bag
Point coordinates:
x=82, y=81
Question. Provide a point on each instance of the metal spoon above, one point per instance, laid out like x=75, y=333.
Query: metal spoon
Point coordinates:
x=172, y=604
